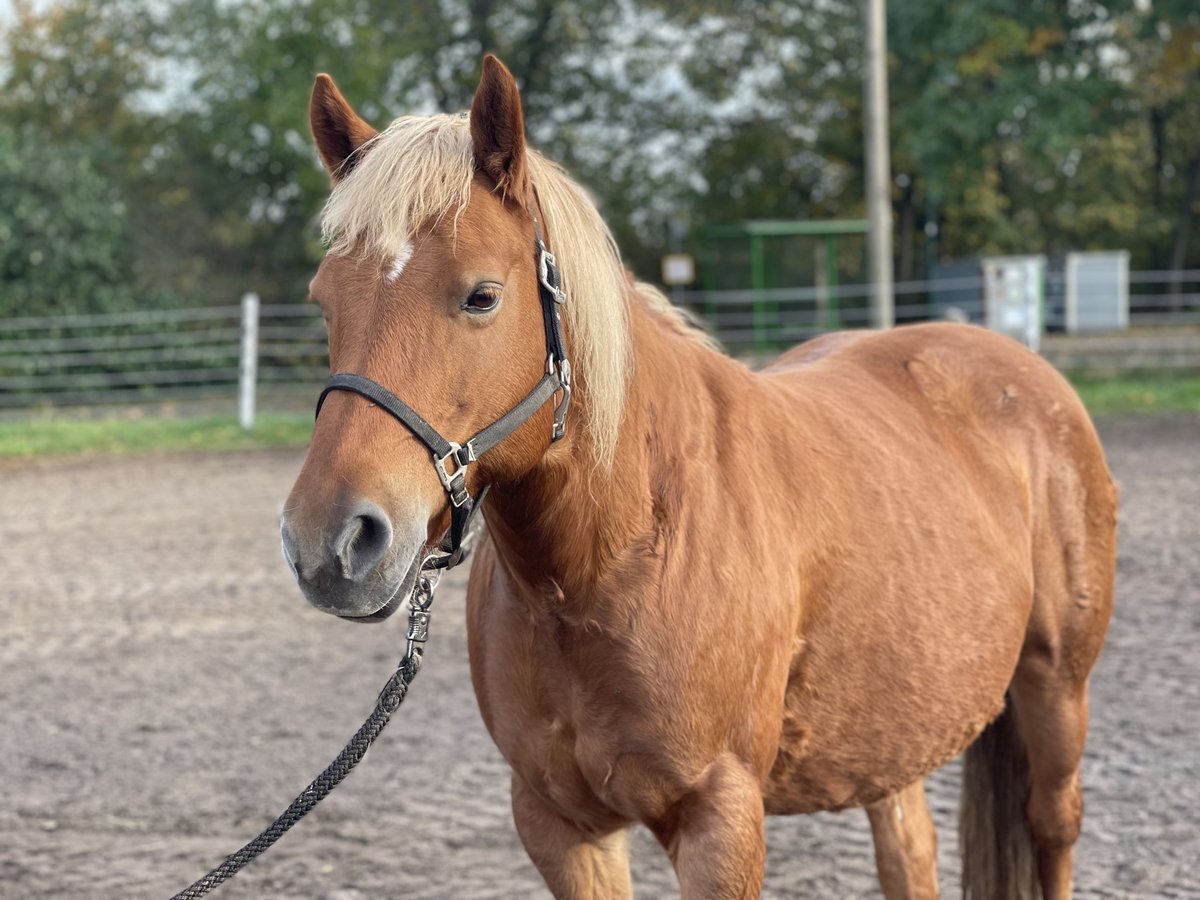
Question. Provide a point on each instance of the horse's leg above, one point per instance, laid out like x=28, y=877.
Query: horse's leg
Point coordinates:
x=905, y=844
x=716, y=838
x=575, y=864
x=1074, y=563
x=1052, y=719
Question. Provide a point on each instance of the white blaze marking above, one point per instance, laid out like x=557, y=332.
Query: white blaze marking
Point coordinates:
x=399, y=261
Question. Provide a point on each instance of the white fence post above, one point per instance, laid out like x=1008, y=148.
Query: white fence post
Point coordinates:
x=248, y=368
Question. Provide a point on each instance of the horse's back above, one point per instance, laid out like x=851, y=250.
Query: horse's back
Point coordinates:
x=974, y=393
x=970, y=510
x=963, y=388
x=956, y=370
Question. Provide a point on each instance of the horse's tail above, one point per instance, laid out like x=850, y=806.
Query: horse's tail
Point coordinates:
x=998, y=858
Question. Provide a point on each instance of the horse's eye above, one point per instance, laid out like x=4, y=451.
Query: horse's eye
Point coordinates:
x=482, y=300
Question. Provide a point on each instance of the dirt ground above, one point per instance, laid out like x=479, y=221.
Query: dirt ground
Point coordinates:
x=165, y=691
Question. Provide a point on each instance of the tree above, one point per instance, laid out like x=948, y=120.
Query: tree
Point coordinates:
x=1016, y=125
x=654, y=107
x=75, y=87
x=243, y=142
x=63, y=230
x=1163, y=70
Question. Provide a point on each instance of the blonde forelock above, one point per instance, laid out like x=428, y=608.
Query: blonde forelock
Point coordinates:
x=420, y=169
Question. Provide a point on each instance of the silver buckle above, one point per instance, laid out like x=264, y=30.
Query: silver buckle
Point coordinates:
x=545, y=260
x=418, y=626
x=418, y=606
x=559, y=428
x=455, y=483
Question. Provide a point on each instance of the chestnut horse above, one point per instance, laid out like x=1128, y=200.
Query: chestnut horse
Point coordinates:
x=724, y=593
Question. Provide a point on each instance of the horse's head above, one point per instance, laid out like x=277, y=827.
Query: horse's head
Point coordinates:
x=429, y=289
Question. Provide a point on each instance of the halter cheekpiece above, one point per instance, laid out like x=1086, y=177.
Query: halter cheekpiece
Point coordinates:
x=451, y=459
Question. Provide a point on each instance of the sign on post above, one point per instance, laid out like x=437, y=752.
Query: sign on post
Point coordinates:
x=1013, y=297
x=1097, y=291
x=678, y=269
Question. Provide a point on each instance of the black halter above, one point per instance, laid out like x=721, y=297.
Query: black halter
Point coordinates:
x=450, y=459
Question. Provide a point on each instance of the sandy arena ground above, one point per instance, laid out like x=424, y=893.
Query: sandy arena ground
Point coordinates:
x=165, y=691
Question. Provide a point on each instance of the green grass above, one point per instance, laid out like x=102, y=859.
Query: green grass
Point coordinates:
x=1104, y=397
x=1158, y=392
x=41, y=437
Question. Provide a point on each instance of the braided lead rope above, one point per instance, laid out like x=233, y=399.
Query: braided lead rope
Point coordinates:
x=389, y=701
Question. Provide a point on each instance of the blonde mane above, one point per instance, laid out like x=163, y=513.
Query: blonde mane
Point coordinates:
x=420, y=169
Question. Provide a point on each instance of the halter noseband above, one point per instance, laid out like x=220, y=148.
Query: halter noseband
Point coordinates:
x=449, y=453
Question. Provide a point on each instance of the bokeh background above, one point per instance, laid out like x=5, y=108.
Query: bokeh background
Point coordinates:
x=156, y=153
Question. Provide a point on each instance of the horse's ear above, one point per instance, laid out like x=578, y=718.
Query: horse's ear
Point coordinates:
x=498, y=132
x=338, y=130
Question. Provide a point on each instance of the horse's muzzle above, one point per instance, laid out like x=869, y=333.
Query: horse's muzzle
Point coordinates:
x=360, y=573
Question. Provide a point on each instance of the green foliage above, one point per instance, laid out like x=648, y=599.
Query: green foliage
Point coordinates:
x=63, y=235
x=1044, y=127
x=76, y=70
x=1016, y=125
x=76, y=137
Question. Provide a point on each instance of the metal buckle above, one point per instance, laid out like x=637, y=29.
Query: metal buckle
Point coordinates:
x=418, y=626
x=547, y=262
x=418, y=605
x=559, y=429
x=455, y=483
x=419, y=602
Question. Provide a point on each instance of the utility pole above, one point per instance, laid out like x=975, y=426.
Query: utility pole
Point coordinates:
x=879, y=163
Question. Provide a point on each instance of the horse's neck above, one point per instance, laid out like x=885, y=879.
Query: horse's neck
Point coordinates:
x=567, y=525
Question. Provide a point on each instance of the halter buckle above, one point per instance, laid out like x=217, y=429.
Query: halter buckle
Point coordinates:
x=563, y=370
x=548, y=274
x=455, y=483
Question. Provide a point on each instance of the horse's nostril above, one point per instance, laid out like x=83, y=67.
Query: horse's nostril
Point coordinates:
x=363, y=541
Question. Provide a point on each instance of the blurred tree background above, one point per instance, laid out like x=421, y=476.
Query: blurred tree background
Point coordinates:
x=156, y=152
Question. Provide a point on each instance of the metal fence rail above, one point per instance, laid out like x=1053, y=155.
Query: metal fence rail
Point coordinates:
x=158, y=356
x=754, y=321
